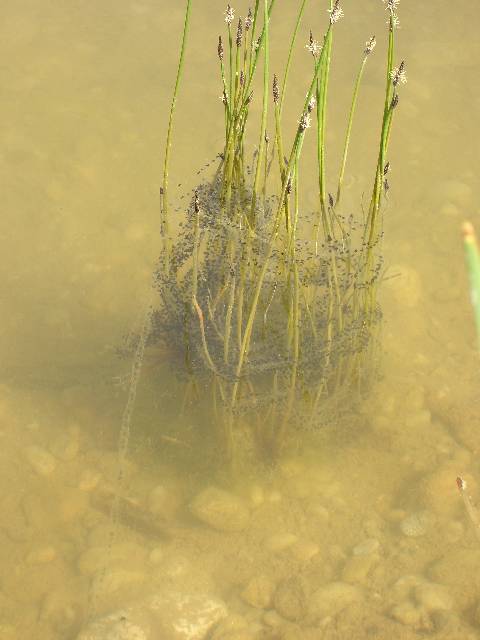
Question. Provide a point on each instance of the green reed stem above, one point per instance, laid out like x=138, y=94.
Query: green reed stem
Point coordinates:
x=290, y=53
x=263, y=126
x=164, y=209
x=377, y=189
x=322, y=88
x=349, y=126
x=261, y=276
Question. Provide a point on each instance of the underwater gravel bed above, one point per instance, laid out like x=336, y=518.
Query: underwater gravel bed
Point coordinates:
x=364, y=539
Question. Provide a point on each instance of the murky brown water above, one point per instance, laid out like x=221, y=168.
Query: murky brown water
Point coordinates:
x=364, y=536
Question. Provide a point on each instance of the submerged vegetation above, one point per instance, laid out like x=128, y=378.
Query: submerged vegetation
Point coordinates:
x=273, y=308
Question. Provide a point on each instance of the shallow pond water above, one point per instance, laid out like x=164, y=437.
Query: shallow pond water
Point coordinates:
x=360, y=532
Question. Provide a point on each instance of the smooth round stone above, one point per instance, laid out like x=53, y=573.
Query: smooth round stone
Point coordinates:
x=41, y=460
x=440, y=493
x=416, y=524
x=406, y=288
x=291, y=467
x=457, y=192
x=274, y=497
x=366, y=547
x=333, y=598
x=418, y=420
x=304, y=550
x=43, y=555
x=450, y=210
x=290, y=599
x=256, y=495
x=221, y=510
x=411, y=616
x=124, y=554
x=112, y=581
x=66, y=446
x=232, y=623
x=405, y=585
x=357, y=568
x=72, y=505
x=280, y=541
x=318, y=511
x=61, y=612
x=89, y=480
x=156, y=555
x=433, y=596
x=272, y=619
x=258, y=592
x=164, y=501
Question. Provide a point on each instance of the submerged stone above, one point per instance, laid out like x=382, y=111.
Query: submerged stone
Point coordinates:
x=220, y=509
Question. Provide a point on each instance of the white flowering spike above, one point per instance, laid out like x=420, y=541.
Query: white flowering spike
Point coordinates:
x=336, y=12
x=229, y=15
x=311, y=104
x=370, y=45
x=391, y=5
x=314, y=47
x=395, y=21
x=398, y=74
x=305, y=122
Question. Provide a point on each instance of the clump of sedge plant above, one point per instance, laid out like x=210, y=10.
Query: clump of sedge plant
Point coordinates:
x=272, y=308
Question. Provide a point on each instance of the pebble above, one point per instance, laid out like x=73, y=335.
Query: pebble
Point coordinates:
x=89, y=480
x=67, y=445
x=121, y=625
x=416, y=524
x=421, y=419
x=433, y=597
x=357, y=568
x=41, y=460
x=439, y=490
x=318, y=511
x=112, y=581
x=280, y=541
x=274, y=497
x=43, y=555
x=305, y=551
x=61, y=612
x=185, y=616
x=258, y=592
x=221, y=510
x=459, y=571
x=156, y=555
x=410, y=615
x=256, y=496
x=290, y=599
x=124, y=554
x=232, y=623
x=333, y=598
x=457, y=192
x=450, y=210
x=366, y=547
x=406, y=289
x=164, y=501
x=291, y=467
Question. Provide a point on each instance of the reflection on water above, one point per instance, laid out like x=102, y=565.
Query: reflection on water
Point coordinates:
x=359, y=534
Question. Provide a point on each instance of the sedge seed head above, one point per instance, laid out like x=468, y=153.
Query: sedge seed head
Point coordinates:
x=398, y=74
x=220, y=48
x=275, y=90
x=239, y=32
x=229, y=15
x=336, y=12
x=249, y=19
x=370, y=45
x=305, y=122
